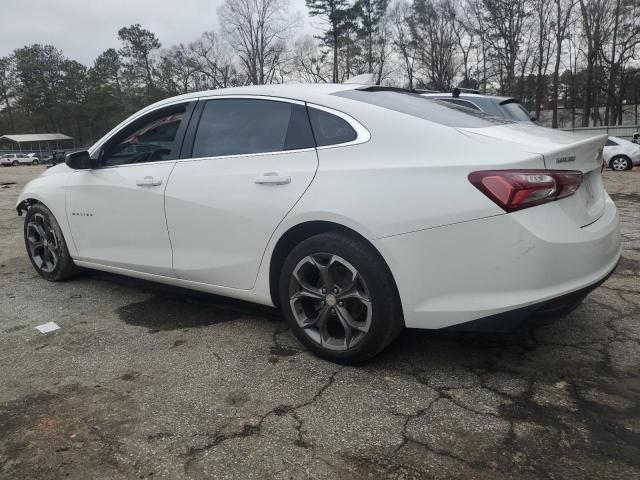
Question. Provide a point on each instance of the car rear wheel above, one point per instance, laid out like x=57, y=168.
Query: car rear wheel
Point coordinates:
x=620, y=163
x=339, y=298
x=46, y=246
x=35, y=162
x=15, y=163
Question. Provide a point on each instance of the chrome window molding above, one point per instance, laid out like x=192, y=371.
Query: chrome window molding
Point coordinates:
x=240, y=155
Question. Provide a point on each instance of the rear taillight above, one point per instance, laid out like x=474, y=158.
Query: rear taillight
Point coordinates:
x=518, y=189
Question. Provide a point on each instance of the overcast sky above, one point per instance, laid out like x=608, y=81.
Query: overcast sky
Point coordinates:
x=83, y=29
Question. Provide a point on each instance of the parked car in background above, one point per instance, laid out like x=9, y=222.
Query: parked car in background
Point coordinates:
x=620, y=154
x=55, y=158
x=509, y=108
x=15, y=159
x=357, y=210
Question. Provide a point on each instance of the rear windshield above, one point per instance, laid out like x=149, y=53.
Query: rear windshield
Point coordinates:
x=418, y=106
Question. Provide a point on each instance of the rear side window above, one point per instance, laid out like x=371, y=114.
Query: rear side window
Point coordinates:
x=611, y=143
x=462, y=103
x=247, y=126
x=514, y=110
x=330, y=129
x=418, y=106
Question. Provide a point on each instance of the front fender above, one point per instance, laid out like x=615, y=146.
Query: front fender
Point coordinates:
x=50, y=190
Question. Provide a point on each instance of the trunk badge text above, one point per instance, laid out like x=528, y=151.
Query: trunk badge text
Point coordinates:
x=566, y=159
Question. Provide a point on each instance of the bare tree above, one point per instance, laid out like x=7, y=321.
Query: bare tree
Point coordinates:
x=544, y=13
x=400, y=17
x=257, y=30
x=310, y=65
x=214, y=65
x=505, y=22
x=625, y=38
x=594, y=28
x=434, y=29
x=562, y=17
x=465, y=35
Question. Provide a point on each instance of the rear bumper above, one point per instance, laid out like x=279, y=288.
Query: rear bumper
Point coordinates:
x=520, y=262
x=535, y=315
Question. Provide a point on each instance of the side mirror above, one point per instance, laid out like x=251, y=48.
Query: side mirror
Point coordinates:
x=80, y=161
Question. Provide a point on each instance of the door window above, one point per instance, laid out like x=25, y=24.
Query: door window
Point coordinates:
x=150, y=139
x=243, y=126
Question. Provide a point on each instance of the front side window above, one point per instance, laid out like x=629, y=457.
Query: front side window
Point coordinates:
x=151, y=139
x=244, y=126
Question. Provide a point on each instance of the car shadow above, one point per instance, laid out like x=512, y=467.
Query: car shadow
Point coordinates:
x=175, y=308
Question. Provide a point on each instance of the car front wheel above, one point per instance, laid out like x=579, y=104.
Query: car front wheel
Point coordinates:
x=620, y=163
x=35, y=162
x=46, y=246
x=15, y=163
x=339, y=298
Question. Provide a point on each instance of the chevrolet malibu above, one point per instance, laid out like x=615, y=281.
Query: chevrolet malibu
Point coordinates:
x=356, y=210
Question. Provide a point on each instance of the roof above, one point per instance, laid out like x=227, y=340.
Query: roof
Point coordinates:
x=295, y=91
x=36, y=137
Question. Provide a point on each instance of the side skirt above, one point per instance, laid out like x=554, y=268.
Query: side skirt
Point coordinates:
x=247, y=295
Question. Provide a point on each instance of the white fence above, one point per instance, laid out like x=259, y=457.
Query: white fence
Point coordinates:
x=622, y=131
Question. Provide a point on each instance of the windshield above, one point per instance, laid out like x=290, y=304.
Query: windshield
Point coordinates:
x=515, y=111
x=415, y=105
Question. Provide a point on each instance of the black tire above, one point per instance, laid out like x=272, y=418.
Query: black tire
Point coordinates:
x=621, y=160
x=15, y=163
x=35, y=162
x=385, y=320
x=40, y=217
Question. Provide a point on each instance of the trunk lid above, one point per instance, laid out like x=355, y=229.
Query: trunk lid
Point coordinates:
x=560, y=151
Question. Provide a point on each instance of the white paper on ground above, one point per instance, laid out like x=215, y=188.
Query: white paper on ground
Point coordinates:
x=48, y=327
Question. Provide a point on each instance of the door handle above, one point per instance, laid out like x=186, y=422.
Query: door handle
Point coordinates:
x=272, y=178
x=149, y=182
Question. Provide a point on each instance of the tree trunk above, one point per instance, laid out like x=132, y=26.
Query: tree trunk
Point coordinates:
x=335, y=59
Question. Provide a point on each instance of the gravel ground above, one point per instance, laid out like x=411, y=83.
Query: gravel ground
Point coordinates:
x=148, y=381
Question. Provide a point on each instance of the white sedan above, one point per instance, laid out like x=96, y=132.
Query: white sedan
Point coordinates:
x=356, y=210
x=620, y=154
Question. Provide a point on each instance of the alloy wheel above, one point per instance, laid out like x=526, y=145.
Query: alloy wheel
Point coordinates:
x=42, y=242
x=619, y=164
x=330, y=301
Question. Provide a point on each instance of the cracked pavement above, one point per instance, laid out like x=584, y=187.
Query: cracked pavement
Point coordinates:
x=149, y=381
